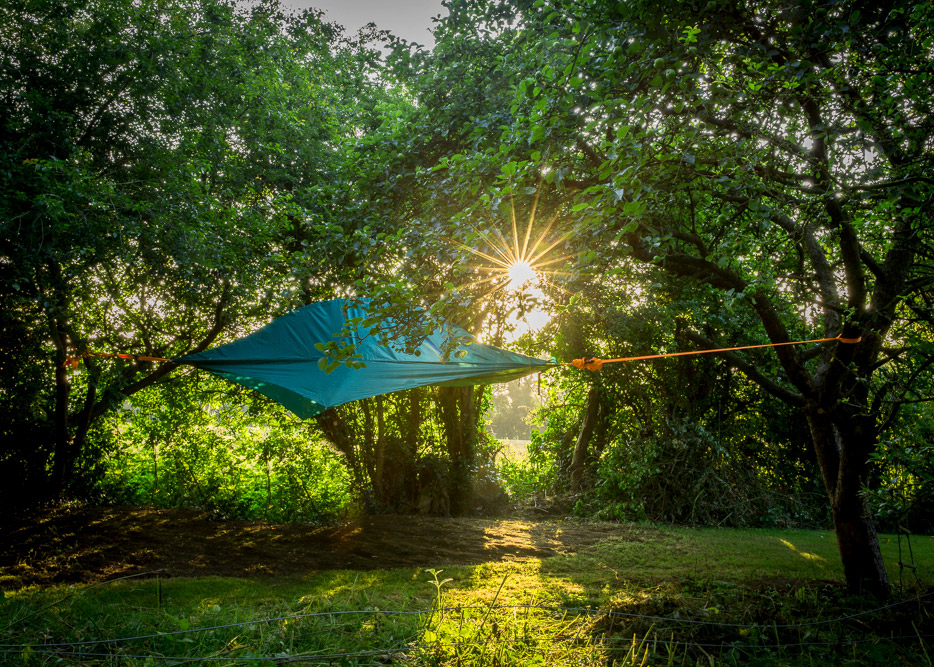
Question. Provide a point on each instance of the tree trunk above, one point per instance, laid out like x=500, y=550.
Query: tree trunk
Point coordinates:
x=843, y=456
x=369, y=442
x=154, y=444
x=379, y=486
x=266, y=465
x=459, y=413
x=343, y=436
x=410, y=427
x=582, y=447
x=63, y=461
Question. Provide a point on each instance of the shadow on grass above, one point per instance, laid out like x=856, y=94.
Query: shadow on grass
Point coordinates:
x=83, y=544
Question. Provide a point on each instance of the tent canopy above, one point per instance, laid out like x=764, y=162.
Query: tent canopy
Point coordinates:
x=280, y=361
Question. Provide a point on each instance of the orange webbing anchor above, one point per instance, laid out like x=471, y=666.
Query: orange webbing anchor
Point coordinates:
x=848, y=341
x=72, y=362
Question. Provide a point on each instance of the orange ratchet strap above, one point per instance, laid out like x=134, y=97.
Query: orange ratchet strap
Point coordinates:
x=593, y=364
x=72, y=362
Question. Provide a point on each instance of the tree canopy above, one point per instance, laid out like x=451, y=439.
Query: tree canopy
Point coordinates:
x=773, y=157
x=160, y=159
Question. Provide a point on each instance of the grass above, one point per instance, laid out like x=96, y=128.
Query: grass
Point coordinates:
x=748, y=555
x=551, y=611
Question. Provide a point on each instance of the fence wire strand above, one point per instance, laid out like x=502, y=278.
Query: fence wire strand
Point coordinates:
x=61, y=649
x=434, y=646
x=445, y=610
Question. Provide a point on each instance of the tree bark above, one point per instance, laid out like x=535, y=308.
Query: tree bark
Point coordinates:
x=459, y=413
x=843, y=464
x=64, y=457
x=379, y=486
x=410, y=427
x=584, y=437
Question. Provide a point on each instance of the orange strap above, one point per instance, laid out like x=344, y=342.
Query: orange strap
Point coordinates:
x=593, y=364
x=72, y=362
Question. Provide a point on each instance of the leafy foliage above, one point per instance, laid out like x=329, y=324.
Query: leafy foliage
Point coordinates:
x=771, y=158
x=902, y=489
x=195, y=442
x=160, y=161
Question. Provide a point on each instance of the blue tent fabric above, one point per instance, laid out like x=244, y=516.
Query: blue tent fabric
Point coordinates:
x=280, y=361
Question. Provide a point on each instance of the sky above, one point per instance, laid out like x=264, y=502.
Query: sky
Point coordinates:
x=409, y=19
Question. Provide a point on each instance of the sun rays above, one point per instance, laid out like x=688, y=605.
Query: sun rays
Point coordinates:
x=518, y=265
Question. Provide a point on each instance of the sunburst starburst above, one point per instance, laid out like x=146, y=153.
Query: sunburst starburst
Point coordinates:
x=517, y=265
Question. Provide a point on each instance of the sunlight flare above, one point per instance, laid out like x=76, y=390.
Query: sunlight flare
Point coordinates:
x=513, y=262
x=516, y=265
x=520, y=273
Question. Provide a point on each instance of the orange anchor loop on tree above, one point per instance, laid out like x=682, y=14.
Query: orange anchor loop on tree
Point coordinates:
x=848, y=341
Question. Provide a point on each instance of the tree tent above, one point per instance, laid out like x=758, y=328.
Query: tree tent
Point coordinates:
x=283, y=360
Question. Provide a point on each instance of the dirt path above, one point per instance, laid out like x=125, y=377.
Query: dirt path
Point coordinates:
x=90, y=544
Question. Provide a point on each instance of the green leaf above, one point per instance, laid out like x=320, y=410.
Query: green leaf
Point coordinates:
x=634, y=208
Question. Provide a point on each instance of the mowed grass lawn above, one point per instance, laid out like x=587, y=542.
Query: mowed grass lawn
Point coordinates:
x=751, y=555
x=509, y=612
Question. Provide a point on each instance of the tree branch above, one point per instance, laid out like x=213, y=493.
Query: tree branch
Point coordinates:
x=722, y=278
x=112, y=393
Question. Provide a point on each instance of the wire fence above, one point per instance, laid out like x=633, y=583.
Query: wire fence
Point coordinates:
x=412, y=645
x=410, y=648
x=460, y=608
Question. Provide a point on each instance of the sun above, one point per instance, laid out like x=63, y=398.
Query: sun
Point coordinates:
x=518, y=265
x=520, y=274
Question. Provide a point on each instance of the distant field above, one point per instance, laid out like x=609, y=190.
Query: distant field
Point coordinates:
x=514, y=448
